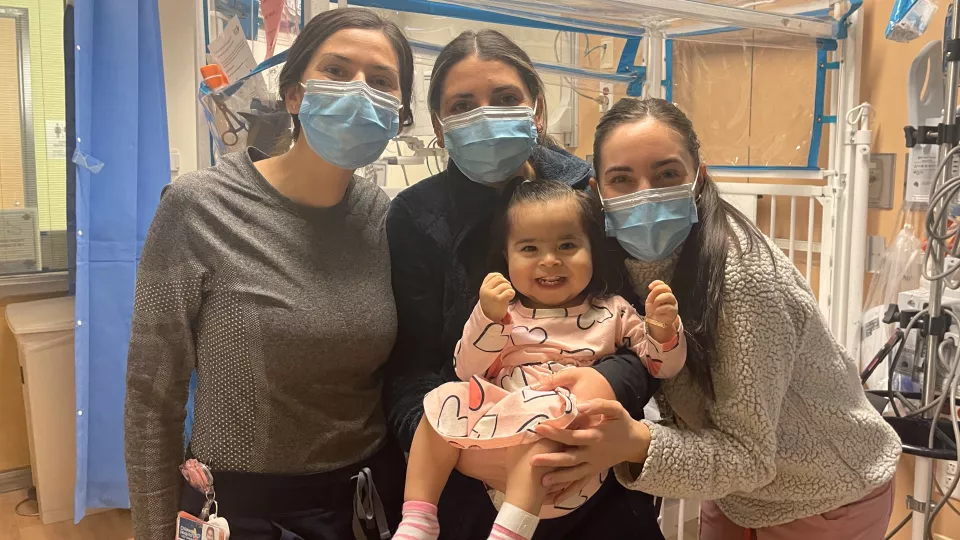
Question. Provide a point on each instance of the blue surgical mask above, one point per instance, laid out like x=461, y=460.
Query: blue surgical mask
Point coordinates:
x=488, y=144
x=652, y=223
x=348, y=124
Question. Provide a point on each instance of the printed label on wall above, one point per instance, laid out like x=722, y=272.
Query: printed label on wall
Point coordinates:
x=56, y=139
x=922, y=163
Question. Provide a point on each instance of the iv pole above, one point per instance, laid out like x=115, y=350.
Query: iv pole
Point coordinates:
x=923, y=473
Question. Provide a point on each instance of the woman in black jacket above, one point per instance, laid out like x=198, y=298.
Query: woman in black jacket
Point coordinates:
x=438, y=232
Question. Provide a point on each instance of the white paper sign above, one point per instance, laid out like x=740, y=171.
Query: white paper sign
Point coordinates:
x=921, y=172
x=56, y=139
x=232, y=52
x=922, y=169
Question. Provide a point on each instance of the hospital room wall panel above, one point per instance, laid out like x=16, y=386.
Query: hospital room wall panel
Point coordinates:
x=712, y=86
x=781, y=127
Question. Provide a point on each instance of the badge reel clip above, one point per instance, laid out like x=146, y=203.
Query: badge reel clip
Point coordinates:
x=208, y=526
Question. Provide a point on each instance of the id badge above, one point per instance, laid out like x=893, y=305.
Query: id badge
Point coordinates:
x=194, y=528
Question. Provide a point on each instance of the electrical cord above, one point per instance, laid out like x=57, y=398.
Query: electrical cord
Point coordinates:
x=406, y=180
x=17, y=511
x=901, y=525
x=891, y=394
x=942, y=239
x=937, y=215
x=570, y=85
x=952, y=381
x=435, y=144
x=937, y=404
x=950, y=504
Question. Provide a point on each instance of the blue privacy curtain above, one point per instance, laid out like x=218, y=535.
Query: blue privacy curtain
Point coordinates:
x=122, y=162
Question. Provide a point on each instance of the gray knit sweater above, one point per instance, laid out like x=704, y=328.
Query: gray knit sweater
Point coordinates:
x=286, y=313
x=790, y=434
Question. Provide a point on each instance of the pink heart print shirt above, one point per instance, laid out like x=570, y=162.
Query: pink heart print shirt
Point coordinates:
x=498, y=362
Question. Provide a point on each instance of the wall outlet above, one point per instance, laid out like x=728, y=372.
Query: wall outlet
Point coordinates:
x=946, y=471
x=606, y=45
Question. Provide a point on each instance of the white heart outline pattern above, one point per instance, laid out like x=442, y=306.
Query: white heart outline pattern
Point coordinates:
x=486, y=427
x=492, y=341
x=449, y=421
x=594, y=315
x=514, y=380
x=578, y=356
x=530, y=424
x=521, y=335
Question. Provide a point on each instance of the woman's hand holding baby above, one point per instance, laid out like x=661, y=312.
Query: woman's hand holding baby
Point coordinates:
x=495, y=296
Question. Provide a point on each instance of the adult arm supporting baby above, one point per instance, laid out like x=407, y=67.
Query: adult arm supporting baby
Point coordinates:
x=754, y=367
x=414, y=366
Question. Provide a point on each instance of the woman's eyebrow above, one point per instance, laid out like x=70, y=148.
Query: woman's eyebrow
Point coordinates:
x=668, y=161
x=619, y=168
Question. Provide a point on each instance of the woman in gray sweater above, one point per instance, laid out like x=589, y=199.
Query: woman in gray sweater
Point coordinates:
x=770, y=425
x=270, y=278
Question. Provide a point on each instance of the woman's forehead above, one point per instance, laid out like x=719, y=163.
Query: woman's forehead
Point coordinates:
x=474, y=75
x=359, y=46
x=644, y=140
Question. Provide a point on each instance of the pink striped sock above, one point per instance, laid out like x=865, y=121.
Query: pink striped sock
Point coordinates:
x=419, y=522
x=499, y=532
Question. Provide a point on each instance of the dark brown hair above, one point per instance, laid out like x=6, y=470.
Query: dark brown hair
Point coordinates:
x=608, y=273
x=487, y=44
x=321, y=27
x=698, y=281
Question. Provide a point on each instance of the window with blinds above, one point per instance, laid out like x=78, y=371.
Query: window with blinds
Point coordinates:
x=33, y=136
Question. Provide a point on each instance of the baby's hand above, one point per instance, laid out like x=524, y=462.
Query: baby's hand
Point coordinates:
x=661, y=306
x=495, y=295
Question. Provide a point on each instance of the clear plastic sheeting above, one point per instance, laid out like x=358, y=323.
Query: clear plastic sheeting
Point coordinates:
x=578, y=71
x=248, y=113
x=899, y=272
x=805, y=21
x=751, y=106
x=269, y=25
x=752, y=94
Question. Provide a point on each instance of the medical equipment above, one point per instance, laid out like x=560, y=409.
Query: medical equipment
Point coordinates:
x=235, y=125
x=933, y=360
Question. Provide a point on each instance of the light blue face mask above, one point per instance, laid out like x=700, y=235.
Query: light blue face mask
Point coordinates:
x=652, y=223
x=348, y=124
x=488, y=144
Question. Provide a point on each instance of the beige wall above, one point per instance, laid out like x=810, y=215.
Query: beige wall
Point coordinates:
x=180, y=74
x=884, y=84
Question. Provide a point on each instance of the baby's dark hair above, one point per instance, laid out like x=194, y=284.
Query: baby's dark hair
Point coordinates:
x=608, y=270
